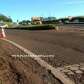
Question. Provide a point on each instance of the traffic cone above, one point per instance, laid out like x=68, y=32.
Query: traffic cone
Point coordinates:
x=2, y=35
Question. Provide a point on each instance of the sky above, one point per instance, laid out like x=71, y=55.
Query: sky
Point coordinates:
x=25, y=9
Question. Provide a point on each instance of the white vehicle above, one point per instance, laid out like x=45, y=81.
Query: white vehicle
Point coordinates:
x=2, y=25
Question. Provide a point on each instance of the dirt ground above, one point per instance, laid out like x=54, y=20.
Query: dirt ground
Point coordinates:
x=21, y=70
x=67, y=48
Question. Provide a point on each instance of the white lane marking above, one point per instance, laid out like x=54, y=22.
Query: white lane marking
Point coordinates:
x=63, y=78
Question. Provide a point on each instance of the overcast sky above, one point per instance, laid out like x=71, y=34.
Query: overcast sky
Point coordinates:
x=25, y=9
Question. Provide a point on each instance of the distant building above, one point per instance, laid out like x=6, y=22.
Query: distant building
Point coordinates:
x=36, y=20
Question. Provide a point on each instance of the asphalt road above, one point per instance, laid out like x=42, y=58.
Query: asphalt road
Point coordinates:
x=67, y=47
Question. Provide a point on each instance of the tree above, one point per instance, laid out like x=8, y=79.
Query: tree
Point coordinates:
x=5, y=18
x=79, y=19
x=49, y=20
x=25, y=22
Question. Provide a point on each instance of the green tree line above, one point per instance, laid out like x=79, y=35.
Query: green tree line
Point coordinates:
x=5, y=18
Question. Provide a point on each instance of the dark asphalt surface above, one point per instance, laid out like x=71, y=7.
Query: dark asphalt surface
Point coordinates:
x=67, y=47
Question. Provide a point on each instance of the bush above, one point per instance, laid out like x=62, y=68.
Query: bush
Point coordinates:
x=35, y=27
